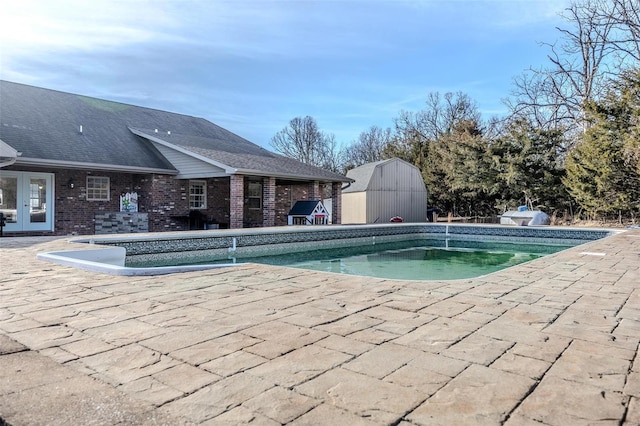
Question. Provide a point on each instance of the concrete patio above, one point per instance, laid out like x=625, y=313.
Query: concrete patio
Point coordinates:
x=550, y=342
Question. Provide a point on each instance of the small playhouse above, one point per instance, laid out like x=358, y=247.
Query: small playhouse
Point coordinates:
x=311, y=212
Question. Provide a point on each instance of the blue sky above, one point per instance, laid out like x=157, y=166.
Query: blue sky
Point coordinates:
x=252, y=65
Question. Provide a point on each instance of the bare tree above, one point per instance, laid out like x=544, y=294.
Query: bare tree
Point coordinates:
x=303, y=140
x=579, y=67
x=625, y=37
x=439, y=117
x=368, y=148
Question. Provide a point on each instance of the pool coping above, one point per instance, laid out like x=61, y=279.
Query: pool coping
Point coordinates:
x=107, y=254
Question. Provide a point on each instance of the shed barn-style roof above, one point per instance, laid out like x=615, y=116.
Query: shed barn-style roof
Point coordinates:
x=363, y=175
x=59, y=129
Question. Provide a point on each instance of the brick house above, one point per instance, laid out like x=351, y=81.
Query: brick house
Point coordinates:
x=66, y=159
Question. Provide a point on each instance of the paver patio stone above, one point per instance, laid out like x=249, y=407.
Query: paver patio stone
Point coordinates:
x=628, y=327
x=573, y=321
x=531, y=315
x=522, y=365
x=632, y=385
x=58, y=354
x=331, y=415
x=478, y=349
x=125, y=332
x=87, y=346
x=285, y=334
x=438, y=334
x=382, y=360
x=414, y=376
x=299, y=366
x=603, y=371
x=446, y=308
x=178, y=339
x=186, y=378
x=373, y=336
x=269, y=349
x=217, y=398
x=79, y=400
x=150, y=390
x=47, y=337
x=214, y=348
x=281, y=404
x=383, y=402
x=10, y=346
x=346, y=345
x=479, y=395
x=439, y=364
x=633, y=412
x=350, y=324
x=608, y=348
x=581, y=404
x=128, y=363
x=233, y=363
x=18, y=323
x=480, y=318
x=240, y=416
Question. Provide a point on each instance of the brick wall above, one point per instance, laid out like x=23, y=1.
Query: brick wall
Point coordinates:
x=236, y=201
x=336, y=203
x=74, y=214
x=269, y=201
x=166, y=201
x=287, y=193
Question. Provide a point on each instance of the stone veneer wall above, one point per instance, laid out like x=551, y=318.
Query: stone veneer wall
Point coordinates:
x=196, y=247
x=121, y=223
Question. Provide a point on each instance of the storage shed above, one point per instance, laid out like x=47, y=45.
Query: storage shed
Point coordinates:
x=383, y=190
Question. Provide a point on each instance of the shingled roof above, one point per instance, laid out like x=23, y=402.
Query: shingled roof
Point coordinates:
x=362, y=176
x=54, y=128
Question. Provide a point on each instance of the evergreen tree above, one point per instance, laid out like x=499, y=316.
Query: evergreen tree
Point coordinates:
x=603, y=171
x=528, y=168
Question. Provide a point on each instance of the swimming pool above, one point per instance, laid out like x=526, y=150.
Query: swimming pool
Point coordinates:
x=424, y=259
x=416, y=260
x=136, y=254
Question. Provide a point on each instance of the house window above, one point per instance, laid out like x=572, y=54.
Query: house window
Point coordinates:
x=254, y=196
x=97, y=188
x=197, y=194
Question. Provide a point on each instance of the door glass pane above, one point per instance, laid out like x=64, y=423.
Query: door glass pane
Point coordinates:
x=37, y=200
x=9, y=198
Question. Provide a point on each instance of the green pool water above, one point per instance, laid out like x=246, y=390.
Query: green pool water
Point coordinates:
x=416, y=261
x=410, y=260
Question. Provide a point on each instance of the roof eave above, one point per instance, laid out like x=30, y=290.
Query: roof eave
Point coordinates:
x=291, y=176
x=25, y=161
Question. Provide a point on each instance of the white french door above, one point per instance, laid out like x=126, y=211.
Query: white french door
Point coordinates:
x=26, y=200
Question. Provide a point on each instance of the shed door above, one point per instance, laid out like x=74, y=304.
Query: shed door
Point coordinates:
x=26, y=200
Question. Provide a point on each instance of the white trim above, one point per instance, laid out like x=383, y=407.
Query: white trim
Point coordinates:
x=203, y=184
x=93, y=189
x=289, y=176
x=23, y=207
x=22, y=161
x=8, y=154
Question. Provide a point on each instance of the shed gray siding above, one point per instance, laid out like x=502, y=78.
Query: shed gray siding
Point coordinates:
x=392, y=188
